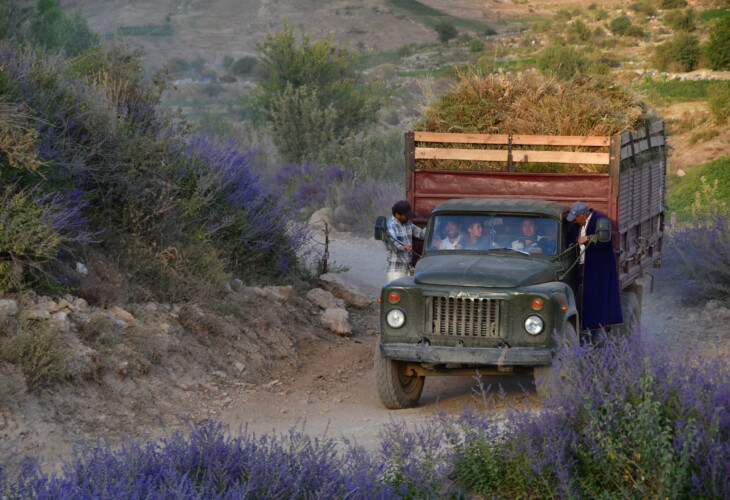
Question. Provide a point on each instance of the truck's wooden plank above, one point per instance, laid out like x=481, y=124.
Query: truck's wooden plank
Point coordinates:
x=519, y=140
x=519, y=156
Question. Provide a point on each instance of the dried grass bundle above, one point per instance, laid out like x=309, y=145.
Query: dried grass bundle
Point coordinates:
x=533, y=104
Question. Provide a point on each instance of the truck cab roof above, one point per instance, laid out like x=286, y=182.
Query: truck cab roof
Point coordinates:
x=502, y=205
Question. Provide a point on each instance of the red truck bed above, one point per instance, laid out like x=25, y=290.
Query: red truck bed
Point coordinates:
x=631, y=193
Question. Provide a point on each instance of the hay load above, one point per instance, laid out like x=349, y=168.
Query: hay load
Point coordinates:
x=530, y=104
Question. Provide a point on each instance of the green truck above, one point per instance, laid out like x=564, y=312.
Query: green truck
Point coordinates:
x=493, y=306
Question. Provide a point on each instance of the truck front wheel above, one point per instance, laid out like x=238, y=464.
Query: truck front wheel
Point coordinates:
x=546, y=378
x=398, y=387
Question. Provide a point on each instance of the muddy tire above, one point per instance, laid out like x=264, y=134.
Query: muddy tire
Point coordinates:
x=546, y=378
x=631, y=311
x=397, y=388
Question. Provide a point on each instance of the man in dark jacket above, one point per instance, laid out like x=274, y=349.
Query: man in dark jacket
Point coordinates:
x=598, y=291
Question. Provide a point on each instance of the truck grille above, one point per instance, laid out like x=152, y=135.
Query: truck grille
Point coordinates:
x=465, y=317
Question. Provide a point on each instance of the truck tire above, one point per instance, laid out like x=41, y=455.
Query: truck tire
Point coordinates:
x=631, y=312
x=397, y=388
x=546, y=378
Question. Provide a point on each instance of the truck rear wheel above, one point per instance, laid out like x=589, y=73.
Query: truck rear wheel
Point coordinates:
x=396, y=386
x=547, y=379
x=630, y=310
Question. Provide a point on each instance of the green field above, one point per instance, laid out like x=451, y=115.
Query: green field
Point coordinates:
x=676, y=90
x=707, y=15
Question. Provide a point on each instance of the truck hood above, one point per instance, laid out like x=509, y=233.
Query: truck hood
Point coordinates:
x=493, y=271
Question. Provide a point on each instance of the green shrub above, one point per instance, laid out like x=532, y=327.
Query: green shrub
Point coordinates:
x=476, y=45
x=644, y=7
x=710, y=181
x=244, y=66
x=717, y=49
x=681, y=20
x=672, y=4
x=635, y=32
x=682, y=53
x=445, y=31
x=619, y=25
x=718, y=100
x=578, y=31
x=562, y=62
x=40, y=353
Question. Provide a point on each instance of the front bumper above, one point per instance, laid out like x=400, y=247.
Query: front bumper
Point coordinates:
x=499, y=356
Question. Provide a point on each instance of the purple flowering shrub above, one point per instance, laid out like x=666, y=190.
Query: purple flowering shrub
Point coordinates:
x=697, y=257
x=210, y=464
x=96, y=143
x=630, y=421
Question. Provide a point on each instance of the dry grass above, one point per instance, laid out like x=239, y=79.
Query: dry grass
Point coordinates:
x=531, y=104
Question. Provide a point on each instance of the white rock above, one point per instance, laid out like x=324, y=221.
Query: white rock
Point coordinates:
x=80, y=304
x=324, y=299
x=81, y=269
x=337, y=321
x=150, y=306
x=286, y=291
x=8, y=307
x=123, y=316
x=47, y=305
x=273, y=293
x=320, y=218
x=348, y=292
x=227, y=287
x=65, y=304
x=240, y=367
x=59, y=321
x=36, y=314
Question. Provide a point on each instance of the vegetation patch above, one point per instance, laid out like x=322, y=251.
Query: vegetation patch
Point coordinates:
x=677, y=90
x=39, y=352
x=710, y=14
x=683, y=191
x=429, y=16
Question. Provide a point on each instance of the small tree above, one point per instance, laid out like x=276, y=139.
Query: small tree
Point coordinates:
x=681, y=20
x=10, y=21
x=686, y=51
x=718, y=100
x=717, y=49
x=562, y=62
x=309, y=92
x=619, y=25
x=446, y=31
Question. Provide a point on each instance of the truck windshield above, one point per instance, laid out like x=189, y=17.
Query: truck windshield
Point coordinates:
x=532, y=234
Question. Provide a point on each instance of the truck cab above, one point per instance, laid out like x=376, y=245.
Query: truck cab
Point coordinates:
x=493, y=290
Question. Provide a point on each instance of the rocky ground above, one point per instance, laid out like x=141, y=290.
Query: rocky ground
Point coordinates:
x=261, y=358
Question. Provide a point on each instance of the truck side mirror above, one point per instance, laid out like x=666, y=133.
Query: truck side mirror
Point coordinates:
x=603, y=230
x=381, y=228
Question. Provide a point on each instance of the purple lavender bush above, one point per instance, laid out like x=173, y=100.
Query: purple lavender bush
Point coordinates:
x=631, y=421
x=210, y=464
x=359, y=203
x=697, y=258
x=98, y=143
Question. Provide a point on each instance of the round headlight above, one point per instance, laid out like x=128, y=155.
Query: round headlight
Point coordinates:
x=395, y=318
x=534, y=325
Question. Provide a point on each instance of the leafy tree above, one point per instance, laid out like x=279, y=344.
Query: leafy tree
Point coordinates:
x=46, y=24
x=11, y=19
x=635, y=31
x=644, y=7
x=50, y=28
x=717, y=49
x=446, y=31
x=309, y=93
x=476, y=45
x=244, y=66
x=686, y=50
x=562, y=62
x=619, y=25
